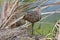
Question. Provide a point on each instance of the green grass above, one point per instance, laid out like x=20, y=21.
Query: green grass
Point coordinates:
x=52, y=19
x=47, y=25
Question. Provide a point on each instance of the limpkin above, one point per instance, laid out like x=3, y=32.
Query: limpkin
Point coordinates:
x=32, y=16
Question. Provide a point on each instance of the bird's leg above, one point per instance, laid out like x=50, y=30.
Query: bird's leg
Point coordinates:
x=32, y=28
x=39, y=26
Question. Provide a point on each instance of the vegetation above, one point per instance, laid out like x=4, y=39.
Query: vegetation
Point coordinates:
x=12, y=22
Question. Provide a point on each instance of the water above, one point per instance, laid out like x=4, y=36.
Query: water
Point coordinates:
x=50, y=9
x=0, y=8
x=53, y=8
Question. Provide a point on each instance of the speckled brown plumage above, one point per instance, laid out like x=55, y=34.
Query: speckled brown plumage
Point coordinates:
x=32, y=16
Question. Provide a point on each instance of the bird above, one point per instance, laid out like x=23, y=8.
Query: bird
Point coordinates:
x=32, y=16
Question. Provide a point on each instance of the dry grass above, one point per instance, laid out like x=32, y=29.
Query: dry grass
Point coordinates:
x=10, y=16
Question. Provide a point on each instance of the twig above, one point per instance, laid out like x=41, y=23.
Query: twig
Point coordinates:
x=21, y=9
x=7, y=20
x=12, y=14
x=14, y=21
x=9, y=13
x=58, y=33
x=3, y=10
